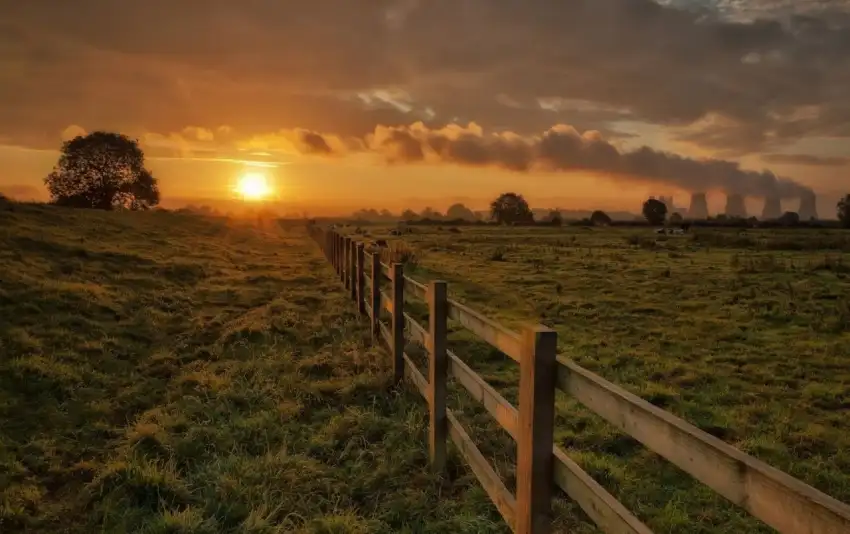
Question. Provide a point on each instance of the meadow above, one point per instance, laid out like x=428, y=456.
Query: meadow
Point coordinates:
x=170, y=373
x=743, y=333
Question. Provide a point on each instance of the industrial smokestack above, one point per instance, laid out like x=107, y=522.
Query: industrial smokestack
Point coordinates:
x=772, y=207
x=808, y=206
x=735, y=206
x=699, y=207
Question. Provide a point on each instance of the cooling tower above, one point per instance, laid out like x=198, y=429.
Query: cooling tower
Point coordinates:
x=699, y=207
x=772, y=207
x=808, y=206
x=735, y=206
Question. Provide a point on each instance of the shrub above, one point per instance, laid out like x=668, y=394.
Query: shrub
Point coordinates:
x=600, y=218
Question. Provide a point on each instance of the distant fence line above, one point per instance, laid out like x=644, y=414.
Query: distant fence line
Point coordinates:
x=779, y=500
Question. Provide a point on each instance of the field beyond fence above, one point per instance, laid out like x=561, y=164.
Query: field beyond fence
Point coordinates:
x=777, y=499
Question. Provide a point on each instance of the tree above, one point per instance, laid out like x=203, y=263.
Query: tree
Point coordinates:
x=102, y=170
x=429, y=213
x=676, y=218
x=554, y=218
x=789, y=218
x=844, y=211
x=599, y=218
x=654, y=211
x=510, y=208
x=459, y=211
x=409, y=215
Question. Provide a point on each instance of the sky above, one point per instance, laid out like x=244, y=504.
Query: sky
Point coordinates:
x=412, y=103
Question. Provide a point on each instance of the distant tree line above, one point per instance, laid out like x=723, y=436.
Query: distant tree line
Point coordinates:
x=513, y=210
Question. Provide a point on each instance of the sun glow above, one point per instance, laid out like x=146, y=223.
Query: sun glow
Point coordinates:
x=254, y=186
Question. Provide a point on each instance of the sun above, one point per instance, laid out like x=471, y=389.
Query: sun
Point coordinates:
x=253, y=186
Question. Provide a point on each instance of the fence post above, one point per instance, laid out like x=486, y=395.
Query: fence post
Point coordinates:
x=376, y=298
x=354, y=275
x=338, y=254
x=335, y=262
x=438, y=366
x=398, y=322
x=361, y=280
x=535, y=430
x=343, y=261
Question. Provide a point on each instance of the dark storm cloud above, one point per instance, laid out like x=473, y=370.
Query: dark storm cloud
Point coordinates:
x=562, y=149
x=259, y=65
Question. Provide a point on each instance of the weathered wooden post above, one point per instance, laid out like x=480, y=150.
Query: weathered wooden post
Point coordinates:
x=398, y=321
x=535, y=430
x=438, y=366
x=376, y=298
x=361, y=280
x=343, y=275
x=336, y=252
x=354, y=274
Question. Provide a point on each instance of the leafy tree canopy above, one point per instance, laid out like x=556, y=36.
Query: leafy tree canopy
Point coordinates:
x=102, y=170
x=654, y=211
x=511, y=208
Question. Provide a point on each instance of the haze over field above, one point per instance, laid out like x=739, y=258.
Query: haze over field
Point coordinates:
x=413, y=103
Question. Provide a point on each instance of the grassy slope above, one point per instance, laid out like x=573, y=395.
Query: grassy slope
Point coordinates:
x=750, y=346
x=164, y=373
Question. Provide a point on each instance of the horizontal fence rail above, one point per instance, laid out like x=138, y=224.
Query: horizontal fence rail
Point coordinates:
x=779, y=500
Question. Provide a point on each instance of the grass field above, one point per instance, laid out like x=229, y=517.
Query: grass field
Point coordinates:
x=167, y=373
x=746, y=335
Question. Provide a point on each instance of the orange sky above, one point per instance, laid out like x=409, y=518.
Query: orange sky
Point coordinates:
x=326, y=93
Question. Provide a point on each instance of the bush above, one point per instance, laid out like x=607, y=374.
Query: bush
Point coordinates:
x=600, y=218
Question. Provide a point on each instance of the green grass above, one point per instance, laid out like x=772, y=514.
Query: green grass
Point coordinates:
x=165, y=373
x=745, y=335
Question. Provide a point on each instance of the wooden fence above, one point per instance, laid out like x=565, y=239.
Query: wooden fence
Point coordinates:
x=779, y=500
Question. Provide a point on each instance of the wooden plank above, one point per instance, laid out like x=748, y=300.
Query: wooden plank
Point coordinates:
x=417, y=332
x=334, y=244
x=411, y=372
x=386, y=302
x=496, y=405
x=781, y=501
x=493, y=485
x=611, y=516
x=385, y=333
x=386, y=270
x=490, y=331
x=398, y=321
x=368, y=310
x=437, y=373
x=349, y=270
x=359, y=279
x=376, y=297
x=535, y=430
x=606, y=511
x=415, y=289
